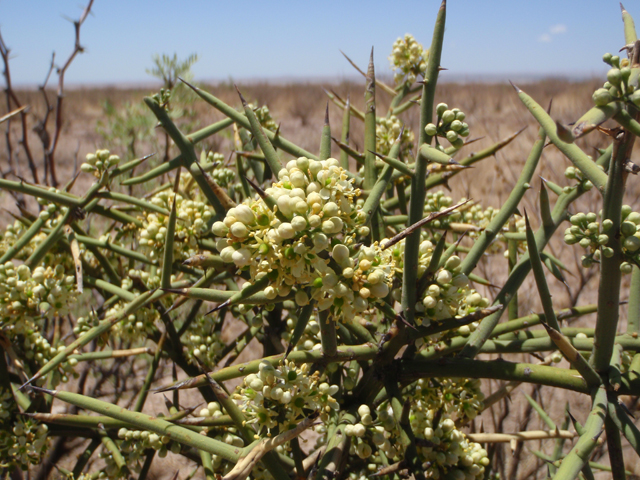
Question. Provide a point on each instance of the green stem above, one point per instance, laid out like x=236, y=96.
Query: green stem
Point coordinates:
x=151, y=373
x=579, y=455
x=610, y=276
x=418, y=191
x=176, y=433
x=633, y=315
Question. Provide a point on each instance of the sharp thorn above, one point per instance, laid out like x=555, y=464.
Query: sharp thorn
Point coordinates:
x=219, y=307
x=244, y=102
x=43, y=390
x=26, y=384
x=626, y=410
x=515, y=87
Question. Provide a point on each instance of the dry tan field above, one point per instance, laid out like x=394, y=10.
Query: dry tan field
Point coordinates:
x=493, y=113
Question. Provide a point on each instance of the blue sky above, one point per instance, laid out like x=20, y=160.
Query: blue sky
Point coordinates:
x=294, y=39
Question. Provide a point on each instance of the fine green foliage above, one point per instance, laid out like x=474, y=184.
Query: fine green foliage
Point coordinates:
x=350, y=280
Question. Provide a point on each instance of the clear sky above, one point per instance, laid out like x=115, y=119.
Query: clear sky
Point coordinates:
x=302, y=39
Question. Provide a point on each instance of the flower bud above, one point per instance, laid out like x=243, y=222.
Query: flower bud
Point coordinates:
x=241, y=257
x=379, y=290
x=448, y=116
x=628, y=228
x=239, y=230
x=614, y=76
x=301, y=298
x=298, y=223
x=602, y=97
x=444, y=277
x=430, y=129
x=286, y=230
x=452, y=136
x=219, y=229
x=631, y=243
x=340, y=254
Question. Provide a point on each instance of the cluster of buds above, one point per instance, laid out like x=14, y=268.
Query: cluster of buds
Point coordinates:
x=25, y=445
x=202, y=340
x=450, y=124
x=136, y=327
x=388, y=130
x=51, y=214
x=264, y=117
x=134, y=445
x=45, y=291
x=449, y=294
x=86, y=323
x=471, y=218
x=99, y=162
x=572, y=173
x=282, y=396
x=617, y=86
x=212, y=410
x=37, y=347
x=591, y=235
x=193, y=217
x=444, y=450
x=11, y=235
x=408, y=60
x=630, y=238
x=310, y=337
x=318, y=219
x=222, y=175
x=459, y=398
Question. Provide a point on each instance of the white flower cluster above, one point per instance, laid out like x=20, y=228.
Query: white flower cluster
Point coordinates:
x=192, y=223
x=86, y=323
x=25, y=445
x=136, y=327
x=310, y=337
x=408, y=60
x=99, y=162
x=387, y=131
x=51, y=214
x=222, y=175
x=449, y=294
x=460, y=398
x=25, y=294
x=133, y=448
x=202, y=342
x=318, y=202
x=444, y=450
x=470, y=214
x=282, y=396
